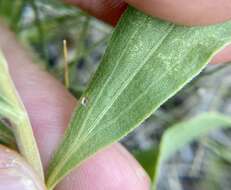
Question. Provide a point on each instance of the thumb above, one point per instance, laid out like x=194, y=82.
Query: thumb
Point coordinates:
x=15, y=173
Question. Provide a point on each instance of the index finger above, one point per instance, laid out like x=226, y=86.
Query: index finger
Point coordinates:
x=184, y=12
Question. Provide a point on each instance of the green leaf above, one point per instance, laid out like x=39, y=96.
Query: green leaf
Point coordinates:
x=12, y=110
x=7, y=137
x=148, y=60
x=181, y=134
x=146, y=158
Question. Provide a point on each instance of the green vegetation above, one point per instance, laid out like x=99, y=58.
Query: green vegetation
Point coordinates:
x=147, y=61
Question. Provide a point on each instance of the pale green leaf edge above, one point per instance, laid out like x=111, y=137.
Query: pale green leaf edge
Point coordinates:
x=53, y=180
x=181, y=134
x=12, y=108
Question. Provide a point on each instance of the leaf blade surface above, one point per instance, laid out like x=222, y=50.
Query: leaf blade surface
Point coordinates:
x=148, y=60
x=13, y=110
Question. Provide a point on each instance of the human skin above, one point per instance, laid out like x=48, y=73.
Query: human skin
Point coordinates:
x=50, y=105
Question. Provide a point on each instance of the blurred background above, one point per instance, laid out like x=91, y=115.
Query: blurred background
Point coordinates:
x=42, y=25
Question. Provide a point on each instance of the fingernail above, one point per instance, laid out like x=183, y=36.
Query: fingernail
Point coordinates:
x=15, y=174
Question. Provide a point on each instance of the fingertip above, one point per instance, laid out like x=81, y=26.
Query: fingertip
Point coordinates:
x=179, y=11
x=106, y=10
x=186, y=12
x=15, y=173
x=113, y=168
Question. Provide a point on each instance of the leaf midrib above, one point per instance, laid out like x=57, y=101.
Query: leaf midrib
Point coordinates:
x=131, y=105
x=86, y=137
x=57, y=168
x=119, y=92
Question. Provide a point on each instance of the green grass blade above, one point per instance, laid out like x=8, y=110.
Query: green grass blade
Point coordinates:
x=182, y=134
x=146, y=158
x=13, y=109
x=148, y=60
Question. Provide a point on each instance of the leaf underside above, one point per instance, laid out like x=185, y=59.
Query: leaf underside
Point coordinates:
x=182, y=134
x=148, y=60
x=12, y=110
